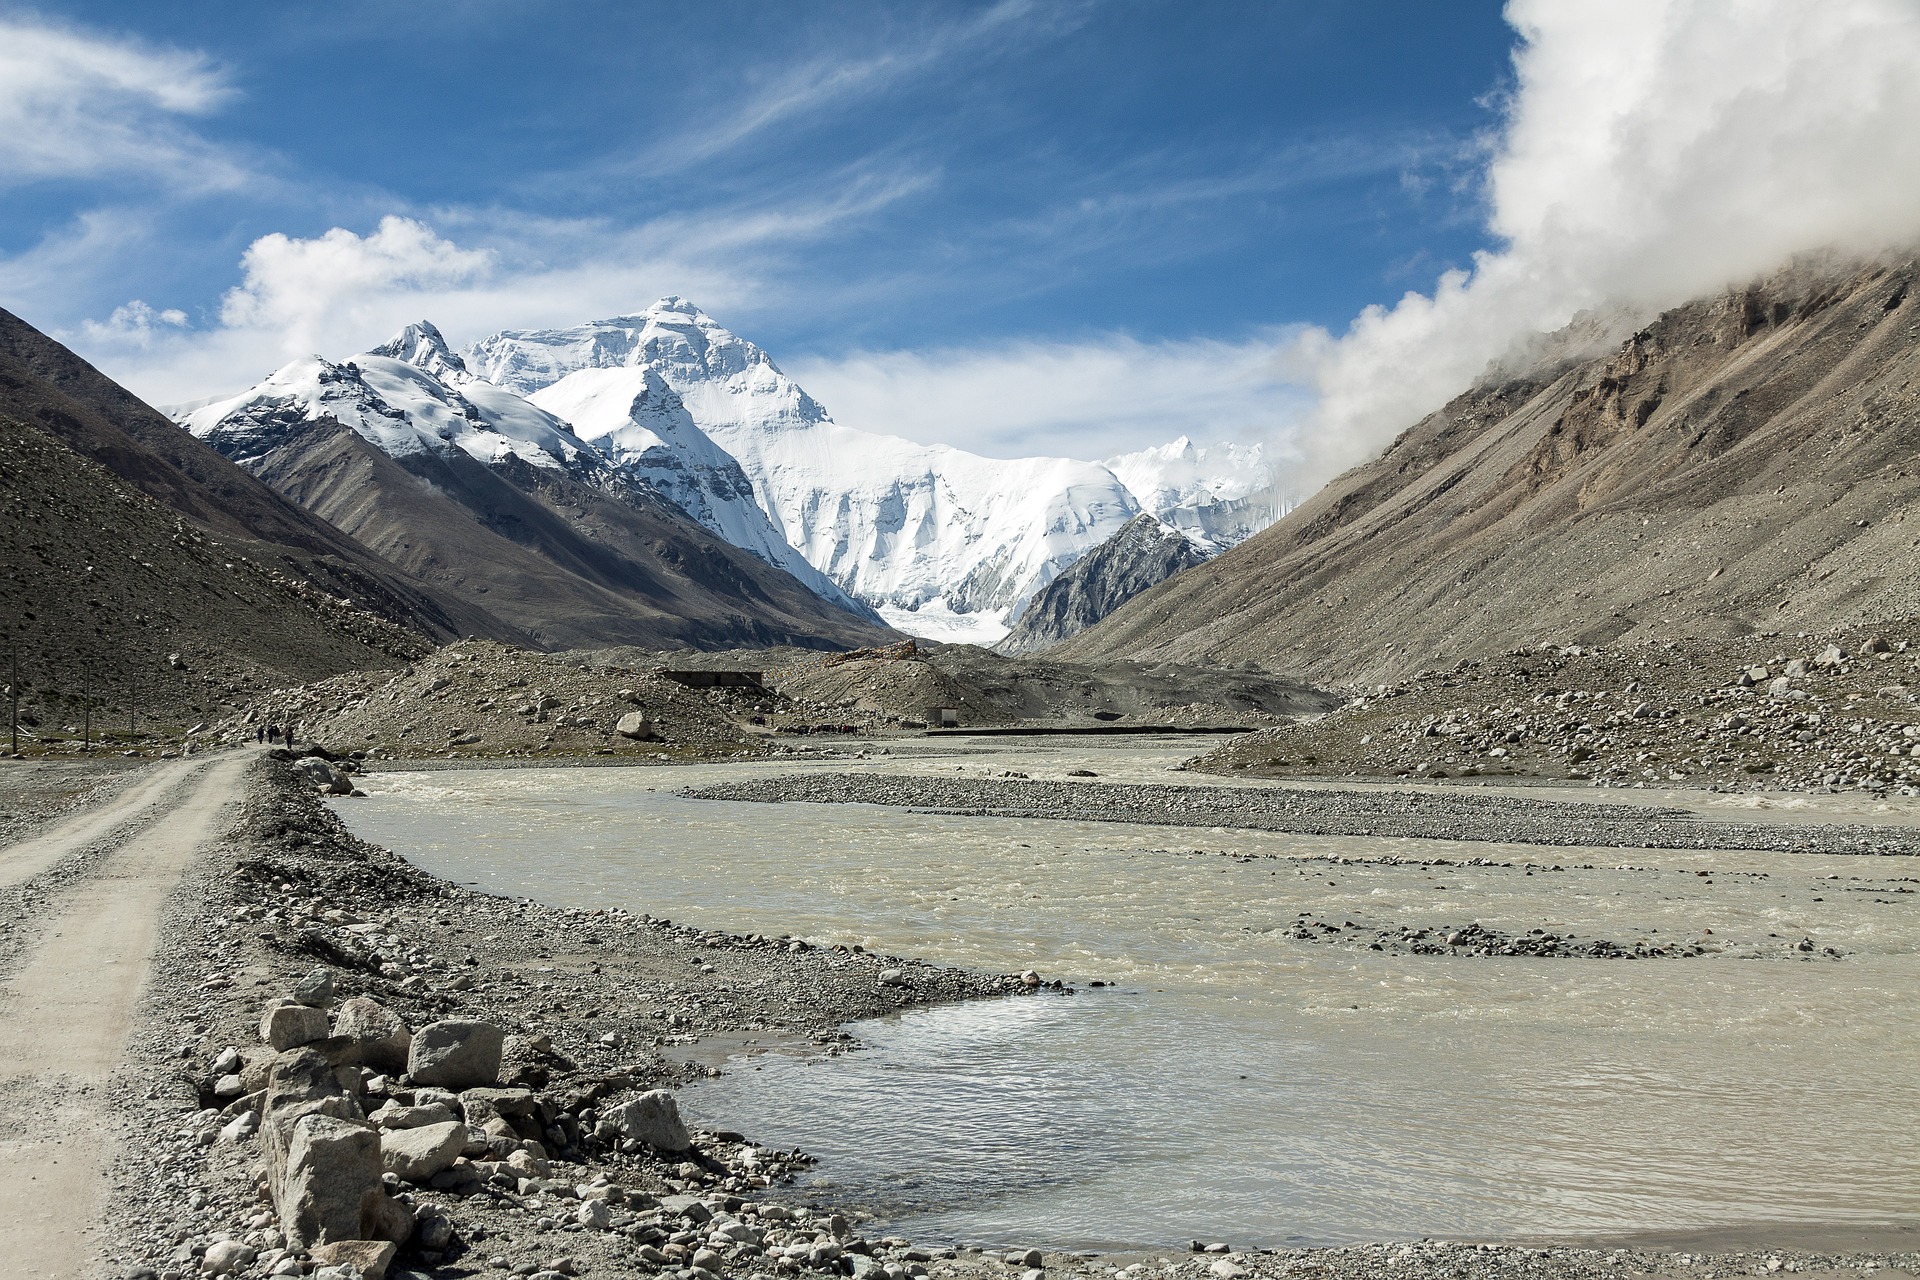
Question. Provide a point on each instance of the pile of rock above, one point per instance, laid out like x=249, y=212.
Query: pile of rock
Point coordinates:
x=1843, y=714
x=352, y=1106
x=483, y=699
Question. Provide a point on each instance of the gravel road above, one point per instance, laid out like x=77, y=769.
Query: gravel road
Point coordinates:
x=66, y=1011
x=1321, y=811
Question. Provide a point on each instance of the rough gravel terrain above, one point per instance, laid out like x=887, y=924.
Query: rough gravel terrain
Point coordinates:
x=1420, y=815
x=35, y=792
x=598, y=1005
x=1834, y=711
x=484, y=700
x=67, y=1008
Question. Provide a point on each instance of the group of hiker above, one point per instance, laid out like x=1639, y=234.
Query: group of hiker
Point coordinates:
x=274, y=733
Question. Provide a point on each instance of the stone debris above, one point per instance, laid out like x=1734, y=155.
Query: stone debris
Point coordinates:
x=1809, y=716
x=568, y=1155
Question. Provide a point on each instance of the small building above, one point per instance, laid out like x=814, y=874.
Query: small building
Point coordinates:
x=944, y=717
x=753, y=680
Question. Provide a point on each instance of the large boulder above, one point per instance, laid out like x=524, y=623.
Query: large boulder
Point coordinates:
x=652, y=1118
x=287, y=1025
x=456, y=1054
x=329, y=1188
x=328, y=779
x=396, y=1116
x=382, y=1037
x=418, y=1154
x=636, y=725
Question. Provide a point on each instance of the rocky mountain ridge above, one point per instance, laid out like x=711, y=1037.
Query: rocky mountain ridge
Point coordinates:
x=1743, y=464
x=471, y=487
x=1143, y=554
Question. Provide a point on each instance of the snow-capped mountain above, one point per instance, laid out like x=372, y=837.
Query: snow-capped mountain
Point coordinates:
x=413, y=393
x=396, y=405
x=942, y=543
x=945, y=543
x=1218, y=495
x=637, y=422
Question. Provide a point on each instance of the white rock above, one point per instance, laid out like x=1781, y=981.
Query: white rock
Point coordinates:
x=418, y=1154
x=289, y=1025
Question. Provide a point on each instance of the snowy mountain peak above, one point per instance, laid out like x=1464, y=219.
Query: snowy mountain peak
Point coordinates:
x=1217, y=495
x=738, y=384
x=400, y=407
x=939, y=540
x=420, y=344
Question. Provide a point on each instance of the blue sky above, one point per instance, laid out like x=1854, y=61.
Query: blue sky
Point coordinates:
x=875, y=178
x=1024, y=226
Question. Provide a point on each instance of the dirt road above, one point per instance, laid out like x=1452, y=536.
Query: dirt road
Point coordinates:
x=66, y=1012
x=28, y=858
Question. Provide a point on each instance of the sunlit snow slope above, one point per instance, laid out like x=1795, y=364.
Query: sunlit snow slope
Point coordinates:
x=945, y=543
x=412, y=394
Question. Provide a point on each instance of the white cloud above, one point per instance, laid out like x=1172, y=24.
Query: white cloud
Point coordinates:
x=73, y=104
x=135, y=324
x=1089, y=399
x=309, y=292
x=1653, y=151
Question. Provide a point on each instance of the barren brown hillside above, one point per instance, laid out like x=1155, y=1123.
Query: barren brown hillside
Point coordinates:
x=1743, y=464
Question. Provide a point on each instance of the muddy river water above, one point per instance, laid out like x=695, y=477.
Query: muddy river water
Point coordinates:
x=1239, y=1084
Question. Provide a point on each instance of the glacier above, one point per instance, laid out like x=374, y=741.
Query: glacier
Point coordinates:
x=1217, y=495
x=414, y=394
x=936, y=541
x=944, y=543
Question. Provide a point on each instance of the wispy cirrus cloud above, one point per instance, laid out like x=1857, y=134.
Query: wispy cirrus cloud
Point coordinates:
x=792, y=94
x=76, y=104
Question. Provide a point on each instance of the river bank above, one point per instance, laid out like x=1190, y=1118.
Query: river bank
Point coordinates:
x=1323, y=810
x=598, y=1004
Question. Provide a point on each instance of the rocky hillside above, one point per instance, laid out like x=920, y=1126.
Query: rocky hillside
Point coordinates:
x=1835, y=711
x=1143, y=554
x=1743, y=464
x=142, y=573
x=479, y=699
x=46, y=387
x=116, y=601
x=564, y=561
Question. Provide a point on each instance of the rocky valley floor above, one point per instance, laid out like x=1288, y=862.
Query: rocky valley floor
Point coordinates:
x=597, y=1008
x=1836, y=711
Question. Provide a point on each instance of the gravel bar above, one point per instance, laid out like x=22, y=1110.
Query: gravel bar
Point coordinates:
x=1409, y=814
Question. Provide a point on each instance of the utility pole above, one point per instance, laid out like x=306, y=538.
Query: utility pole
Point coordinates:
x=13, y=694
x=86, y=711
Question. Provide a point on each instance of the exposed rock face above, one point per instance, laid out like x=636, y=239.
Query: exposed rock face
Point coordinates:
x=418, y=1153
x=1143, y=554
x=1742, y=464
